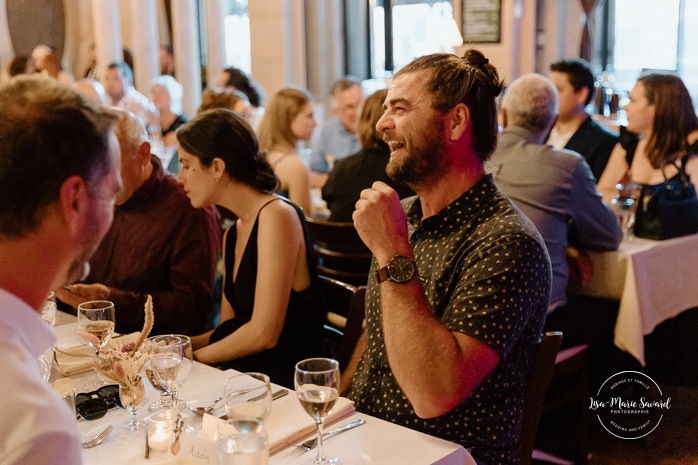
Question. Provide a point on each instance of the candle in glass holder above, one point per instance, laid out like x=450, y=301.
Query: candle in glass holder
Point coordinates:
x=161, y=427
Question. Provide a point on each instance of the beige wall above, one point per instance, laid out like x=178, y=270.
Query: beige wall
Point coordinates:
x=279, y=48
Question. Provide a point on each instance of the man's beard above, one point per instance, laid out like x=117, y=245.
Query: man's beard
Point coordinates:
x=424, y=158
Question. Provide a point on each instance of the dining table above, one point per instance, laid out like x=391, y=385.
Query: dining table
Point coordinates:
x=376, y=442
x=653, y=280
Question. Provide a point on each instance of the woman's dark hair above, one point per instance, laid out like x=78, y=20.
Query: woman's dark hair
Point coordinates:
x=238, y=79
x=371, y=112
x=674, y=117
x=471, y=80
x=220, y=133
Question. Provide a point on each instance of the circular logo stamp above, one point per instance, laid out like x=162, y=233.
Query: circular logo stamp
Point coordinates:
x=629, y=405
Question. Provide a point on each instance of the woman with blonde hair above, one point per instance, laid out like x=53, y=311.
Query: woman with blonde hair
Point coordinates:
x=288, y=118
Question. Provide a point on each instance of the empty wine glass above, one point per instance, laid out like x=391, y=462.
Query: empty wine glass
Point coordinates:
x=96, y=320
x=248, y=396
x=624, y=205
x=132, y=398
x=165, y=400
x=171, y=359
x=317, y=384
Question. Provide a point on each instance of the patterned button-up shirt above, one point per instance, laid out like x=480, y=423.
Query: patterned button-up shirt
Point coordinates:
x=485, y=273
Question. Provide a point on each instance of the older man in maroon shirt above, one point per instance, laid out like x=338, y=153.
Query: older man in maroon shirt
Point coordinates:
x=158, y=244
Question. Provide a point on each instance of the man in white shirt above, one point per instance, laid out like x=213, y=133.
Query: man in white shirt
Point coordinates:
x=59, y=176
x=574, y=129
x=118, y=84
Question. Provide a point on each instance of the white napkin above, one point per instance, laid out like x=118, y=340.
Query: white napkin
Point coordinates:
x=77, y=360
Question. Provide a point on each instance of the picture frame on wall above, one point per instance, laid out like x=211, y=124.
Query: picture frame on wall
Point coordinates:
x=481, y=21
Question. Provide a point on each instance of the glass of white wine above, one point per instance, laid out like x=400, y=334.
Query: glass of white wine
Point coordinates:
x=317, y=387
x=96, y=320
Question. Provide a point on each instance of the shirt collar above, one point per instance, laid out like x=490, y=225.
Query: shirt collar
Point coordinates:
x=24, y=321
x=471, y=200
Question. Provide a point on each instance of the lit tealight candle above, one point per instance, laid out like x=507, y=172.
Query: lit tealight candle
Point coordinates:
x=161, y=430
x=160, y=440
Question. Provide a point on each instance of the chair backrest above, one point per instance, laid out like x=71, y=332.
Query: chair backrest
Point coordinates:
x=536, y=389
x=345, y=315
x=340, y=252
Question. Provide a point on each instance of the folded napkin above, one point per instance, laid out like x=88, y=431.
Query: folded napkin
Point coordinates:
x=287, y=423
x=77, y=360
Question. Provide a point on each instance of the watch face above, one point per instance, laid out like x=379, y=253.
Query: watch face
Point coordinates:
x=401, y=269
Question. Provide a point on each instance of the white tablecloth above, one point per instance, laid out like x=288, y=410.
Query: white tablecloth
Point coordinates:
x=654, y=281
x=377, y=442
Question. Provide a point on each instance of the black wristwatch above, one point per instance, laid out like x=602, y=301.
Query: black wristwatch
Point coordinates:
x=400, y=269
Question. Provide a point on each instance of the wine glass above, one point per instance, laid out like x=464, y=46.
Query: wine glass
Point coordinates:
x=165, y=400
x=624, y=205
x=247, y=395
x=317, y=384
x=48, y=310
x=96, y=321
x=131, y=398
x=171, y=359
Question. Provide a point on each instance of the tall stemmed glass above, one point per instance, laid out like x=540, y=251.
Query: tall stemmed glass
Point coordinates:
x=247, y=396
x=171, y=359
x=96, y=320
x=624, y=205
x=317, y=385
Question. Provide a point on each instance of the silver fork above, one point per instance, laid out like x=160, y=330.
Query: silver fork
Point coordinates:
x=311, y=443
x=98, y=439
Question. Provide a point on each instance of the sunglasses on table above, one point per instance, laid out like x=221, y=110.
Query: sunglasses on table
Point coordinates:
x=94, y=405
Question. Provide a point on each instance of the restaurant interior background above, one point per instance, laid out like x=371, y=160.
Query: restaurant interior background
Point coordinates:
x=310, y=43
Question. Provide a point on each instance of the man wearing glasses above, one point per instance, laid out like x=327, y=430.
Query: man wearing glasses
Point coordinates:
x=59, y=176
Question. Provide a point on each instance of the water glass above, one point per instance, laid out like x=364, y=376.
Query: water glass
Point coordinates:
x=48, y=310
x=242, y=441
x=624, y=205
x=247, y=396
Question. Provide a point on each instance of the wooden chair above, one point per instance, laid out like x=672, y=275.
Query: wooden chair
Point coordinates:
x=568, y=390
x=536, y=389
x=340, y=252
x=345, y=316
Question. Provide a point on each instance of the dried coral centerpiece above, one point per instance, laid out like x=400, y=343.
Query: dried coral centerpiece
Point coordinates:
x=122, y=363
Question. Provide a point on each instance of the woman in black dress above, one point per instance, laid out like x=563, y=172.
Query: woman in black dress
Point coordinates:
x=271, y=311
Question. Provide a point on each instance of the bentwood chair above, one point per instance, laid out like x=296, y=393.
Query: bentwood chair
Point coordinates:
x=536, y=390
x=340, y=252
x=345, y=316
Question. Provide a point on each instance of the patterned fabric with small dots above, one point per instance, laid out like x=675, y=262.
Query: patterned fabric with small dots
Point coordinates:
x=486, y=273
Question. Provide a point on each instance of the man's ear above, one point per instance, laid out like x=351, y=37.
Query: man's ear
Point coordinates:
x=582, y=95
x=144, y=153
x=74, y=201
x=460, y=116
